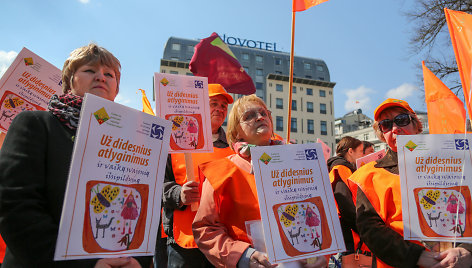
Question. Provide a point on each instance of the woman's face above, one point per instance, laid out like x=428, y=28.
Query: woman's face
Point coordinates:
x=96, y=79
x=391, y=135
x=354, y=153
x=255, y=126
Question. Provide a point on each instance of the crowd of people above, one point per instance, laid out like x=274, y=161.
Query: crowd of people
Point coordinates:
x=203, y=221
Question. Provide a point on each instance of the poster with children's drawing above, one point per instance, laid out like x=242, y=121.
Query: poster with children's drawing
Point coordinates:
x=184, y=101
x=113, y=198
x=27, y=85
x=296, y=201
x=435, y=172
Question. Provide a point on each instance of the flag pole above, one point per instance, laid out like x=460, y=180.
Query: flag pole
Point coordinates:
x=289, y=117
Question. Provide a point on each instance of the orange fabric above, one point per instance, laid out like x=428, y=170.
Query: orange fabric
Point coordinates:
x=460, y=29
x=383, y=190
x=236, y=191
x=446, y=113
x=391, y=103
x=183, y=219
x=146, y=105
x=301, y=5
x=3, y=248
x=343, y=171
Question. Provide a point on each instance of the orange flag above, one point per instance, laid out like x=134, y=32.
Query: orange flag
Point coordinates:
x=460, y=29
x=301, y=5
x=446, y=113
x=146, y=105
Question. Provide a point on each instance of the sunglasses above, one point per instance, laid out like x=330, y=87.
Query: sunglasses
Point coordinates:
x=400, y=120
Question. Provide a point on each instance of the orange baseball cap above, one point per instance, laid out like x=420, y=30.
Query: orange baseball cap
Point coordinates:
x=391, y=103
x=217, y=89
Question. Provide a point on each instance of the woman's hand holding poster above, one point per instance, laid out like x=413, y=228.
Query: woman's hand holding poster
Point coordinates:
x=297, y=205
x=435, y=172
x=113, y=198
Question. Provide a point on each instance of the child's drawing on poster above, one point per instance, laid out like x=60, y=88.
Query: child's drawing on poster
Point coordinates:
x=303, y=226
x=444, y=211
x=10, y=105
x=187, y=132
x=115, y=216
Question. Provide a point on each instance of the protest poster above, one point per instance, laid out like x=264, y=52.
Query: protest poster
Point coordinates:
x=113, y=197
x=326, y=149
x=435, y=175
x=369, y=158
x=296, y=201
x=27, y=85
x=184, y=101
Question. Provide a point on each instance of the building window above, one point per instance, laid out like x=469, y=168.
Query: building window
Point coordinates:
x=310, y=124
x=279, y=103
x=307, y=66
x=322, y=93
x=294, y=89
x=245, y=56
x=319, y=68
x=176, y=47
x=189, y=74
x=174, y=58
x=309, y=91
x=324, y=128
x=309, y=106
x=322, y=108
x=259, y=72
x=278, y=72
x=246, y=69
x=279, y=123
x=294, y=105
x=308, y=76
x=279, y=87
x=278, y=61
x=190, y=49
x=259, y=85
x=366, y=136
x=259, y=59
x=174, y=72
x=293, y=125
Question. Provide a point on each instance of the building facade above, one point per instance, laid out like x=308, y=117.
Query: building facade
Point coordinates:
x=312, y=93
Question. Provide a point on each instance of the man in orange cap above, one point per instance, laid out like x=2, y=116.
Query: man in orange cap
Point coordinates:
x=179, y=193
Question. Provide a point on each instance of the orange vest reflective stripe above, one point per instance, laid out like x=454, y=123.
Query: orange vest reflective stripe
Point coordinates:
x=383, y=190
x=237, y=195
x=182, y=226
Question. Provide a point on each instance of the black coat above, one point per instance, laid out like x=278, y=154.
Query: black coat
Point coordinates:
x=34, y=166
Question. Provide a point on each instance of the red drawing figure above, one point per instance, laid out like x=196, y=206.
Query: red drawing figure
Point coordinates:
x=129, y=212
x=192, y=128
x=312, y=220
x=452, y=205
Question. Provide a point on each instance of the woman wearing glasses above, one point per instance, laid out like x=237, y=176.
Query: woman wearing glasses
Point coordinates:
x=378, y=198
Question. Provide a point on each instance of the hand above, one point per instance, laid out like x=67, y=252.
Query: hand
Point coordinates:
x=189, y=193
x=454, y=257
x=259, y=260
x=427, y=259
x=127, y=262
x=316, y=262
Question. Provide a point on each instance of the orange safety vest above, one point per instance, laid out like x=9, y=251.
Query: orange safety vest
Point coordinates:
x=383, y=190
x=182, y=226
x=3, y=248
x=237, y=195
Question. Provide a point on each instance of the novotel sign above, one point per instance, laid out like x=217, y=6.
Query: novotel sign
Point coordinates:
x=249, y=43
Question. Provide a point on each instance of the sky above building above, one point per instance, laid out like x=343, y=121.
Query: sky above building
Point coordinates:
x=365, y=43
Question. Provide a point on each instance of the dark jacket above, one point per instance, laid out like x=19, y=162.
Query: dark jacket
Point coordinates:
x=34, y=167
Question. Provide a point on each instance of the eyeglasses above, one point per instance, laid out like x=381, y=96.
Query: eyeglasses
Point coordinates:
x=251, y=115
x=400, y=120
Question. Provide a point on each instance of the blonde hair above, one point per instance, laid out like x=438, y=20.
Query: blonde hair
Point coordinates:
x=414, y=119
x=89, y=54
x=234, y=117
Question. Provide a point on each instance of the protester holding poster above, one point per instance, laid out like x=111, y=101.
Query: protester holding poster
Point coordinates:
x=35, y=160
x=340, y=168
x=179, y=193
x=229, y=198
x=378, y=198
